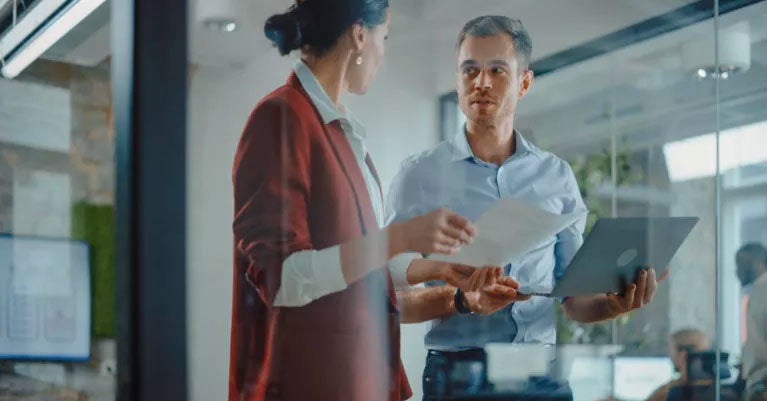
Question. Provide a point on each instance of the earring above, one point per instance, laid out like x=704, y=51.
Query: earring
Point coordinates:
x=359, y=60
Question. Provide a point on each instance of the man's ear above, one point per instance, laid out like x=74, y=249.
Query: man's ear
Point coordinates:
x=526, y=82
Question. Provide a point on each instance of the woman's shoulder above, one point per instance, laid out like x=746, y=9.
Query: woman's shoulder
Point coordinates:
x=286, y=99
x=286, y=111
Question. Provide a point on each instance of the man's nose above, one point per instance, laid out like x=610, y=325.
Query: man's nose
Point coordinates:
x=483, y=80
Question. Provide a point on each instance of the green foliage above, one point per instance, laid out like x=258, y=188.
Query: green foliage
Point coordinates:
x=95, y=225
x=591, y=172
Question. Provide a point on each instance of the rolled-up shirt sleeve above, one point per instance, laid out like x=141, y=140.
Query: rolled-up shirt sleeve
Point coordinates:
x=310, y=275
x=402, y=202
x=570, y=239
x=398, y=268
x=401, y=205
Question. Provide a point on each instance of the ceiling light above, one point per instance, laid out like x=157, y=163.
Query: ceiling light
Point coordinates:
x=48, y=35
x=220, y=24
x=734, y=53
x=217, y=16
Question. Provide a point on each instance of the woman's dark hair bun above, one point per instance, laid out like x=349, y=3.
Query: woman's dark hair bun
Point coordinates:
x=316, y=25
x=284, y=30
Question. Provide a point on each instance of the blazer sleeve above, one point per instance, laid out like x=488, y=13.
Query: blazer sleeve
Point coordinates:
x=271, y=177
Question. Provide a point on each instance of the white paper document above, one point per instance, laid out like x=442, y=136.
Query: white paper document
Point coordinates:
x=508, y=230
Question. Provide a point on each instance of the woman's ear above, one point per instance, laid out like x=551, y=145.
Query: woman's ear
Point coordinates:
x=358, y=35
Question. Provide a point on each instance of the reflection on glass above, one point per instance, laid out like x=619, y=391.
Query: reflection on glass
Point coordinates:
x=743, y=187
x=633, y=109
x=57, y=299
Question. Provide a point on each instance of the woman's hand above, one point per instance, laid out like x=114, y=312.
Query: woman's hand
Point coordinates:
x=441, y=231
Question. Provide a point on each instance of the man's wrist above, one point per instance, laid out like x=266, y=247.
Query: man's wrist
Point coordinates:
x=461, y=303
x=472, y=301
x=607, y=312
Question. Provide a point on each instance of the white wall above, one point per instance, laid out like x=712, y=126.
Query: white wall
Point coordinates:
x=219, y=103
x=400, y=113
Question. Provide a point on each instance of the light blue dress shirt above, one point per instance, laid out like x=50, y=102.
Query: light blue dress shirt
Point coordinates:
x=450, y=175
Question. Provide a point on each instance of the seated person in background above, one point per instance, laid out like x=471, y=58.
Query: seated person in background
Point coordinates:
x=680, y=344
x=750, y=266
x=751, y=260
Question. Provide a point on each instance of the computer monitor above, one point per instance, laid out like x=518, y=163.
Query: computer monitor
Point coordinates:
x=589, y=377
x=45, y=299
x=636, y=378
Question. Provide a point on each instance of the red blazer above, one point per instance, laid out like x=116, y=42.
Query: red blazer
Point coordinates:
x=297, y=186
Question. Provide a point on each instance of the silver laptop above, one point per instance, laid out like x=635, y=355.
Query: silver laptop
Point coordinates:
x=617, y=248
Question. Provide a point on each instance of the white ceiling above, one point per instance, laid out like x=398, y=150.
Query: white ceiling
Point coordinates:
x=650, y=65
x=565, y=107
x=434, y=24
x=651, y=90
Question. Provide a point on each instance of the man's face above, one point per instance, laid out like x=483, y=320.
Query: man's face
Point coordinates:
x=678, y=358
x=748, y=269
x=490, y=79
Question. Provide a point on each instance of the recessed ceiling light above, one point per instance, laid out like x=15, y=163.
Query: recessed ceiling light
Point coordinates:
x=220, y=24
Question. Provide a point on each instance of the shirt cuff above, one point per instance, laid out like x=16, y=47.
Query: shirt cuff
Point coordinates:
x=328, y=271
x=309, y=275
x=398, y=269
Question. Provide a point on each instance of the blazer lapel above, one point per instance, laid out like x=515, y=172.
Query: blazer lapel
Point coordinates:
x=373, y=170
x=348, y=162
x=353, y=174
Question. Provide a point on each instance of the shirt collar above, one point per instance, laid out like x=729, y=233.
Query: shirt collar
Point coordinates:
x=462, y=150
x=321, y=100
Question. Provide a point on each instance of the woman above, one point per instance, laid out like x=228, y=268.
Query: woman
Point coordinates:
x=315, y=316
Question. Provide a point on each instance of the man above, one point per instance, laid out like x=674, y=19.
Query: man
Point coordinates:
x=751, y=261
x=680, y=344
x=489, y=160
x=751, y=264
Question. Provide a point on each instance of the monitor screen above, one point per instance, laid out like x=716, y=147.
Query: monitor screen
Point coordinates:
x=45, y=299
x=636, y=378
x=589, y=378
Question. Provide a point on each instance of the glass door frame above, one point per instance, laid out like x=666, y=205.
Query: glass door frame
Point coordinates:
x=149, y=85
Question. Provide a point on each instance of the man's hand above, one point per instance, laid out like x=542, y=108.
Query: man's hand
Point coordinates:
x=637, y=295
x=490, y=291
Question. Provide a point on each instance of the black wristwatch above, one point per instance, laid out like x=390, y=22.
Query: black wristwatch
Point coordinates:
x=459, y=299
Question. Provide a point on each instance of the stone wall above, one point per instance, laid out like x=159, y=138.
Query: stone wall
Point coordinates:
x=89, y=159
x=693, y=283
x=56, y=149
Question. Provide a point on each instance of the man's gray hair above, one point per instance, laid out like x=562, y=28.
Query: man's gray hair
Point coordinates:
x=490, y=25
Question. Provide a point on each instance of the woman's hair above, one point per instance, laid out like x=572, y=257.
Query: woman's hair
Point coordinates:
x=316, y=25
